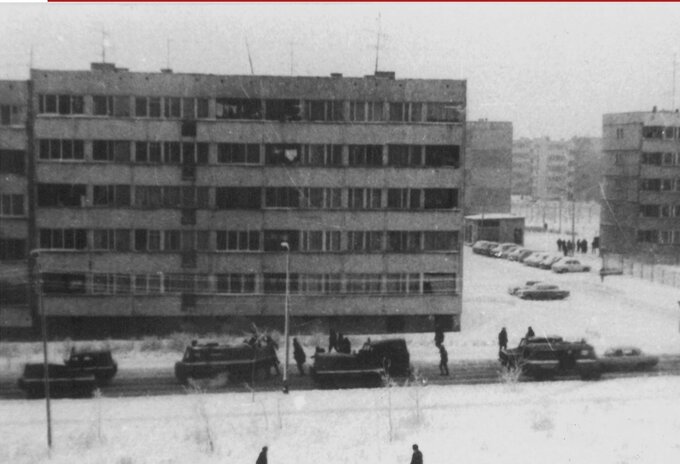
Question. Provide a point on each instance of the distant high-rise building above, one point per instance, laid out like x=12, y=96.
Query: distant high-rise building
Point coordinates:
x=640, y=213
x=523, y=167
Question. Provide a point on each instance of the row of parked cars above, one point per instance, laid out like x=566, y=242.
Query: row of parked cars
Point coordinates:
x=557, y=262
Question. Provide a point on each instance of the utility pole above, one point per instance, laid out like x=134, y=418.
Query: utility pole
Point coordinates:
x=573, y=223
x=35, y=254
x=377, y=45
x=286, y=246
x=674, y=64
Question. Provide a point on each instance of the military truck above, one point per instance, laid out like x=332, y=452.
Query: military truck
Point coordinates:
x=543, y=358
x=243, y=361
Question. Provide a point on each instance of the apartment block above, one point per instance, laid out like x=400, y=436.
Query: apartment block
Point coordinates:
x=488, y=167
x=14, y=206
x=523, y=167
x=181, y=200
x=640, y=212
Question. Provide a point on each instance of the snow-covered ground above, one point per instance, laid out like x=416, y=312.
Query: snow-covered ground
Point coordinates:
x=607, y=422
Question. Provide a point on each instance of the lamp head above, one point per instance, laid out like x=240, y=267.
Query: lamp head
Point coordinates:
x=285, y=245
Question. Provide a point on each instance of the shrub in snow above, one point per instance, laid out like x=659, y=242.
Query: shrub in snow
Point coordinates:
x=202, y=434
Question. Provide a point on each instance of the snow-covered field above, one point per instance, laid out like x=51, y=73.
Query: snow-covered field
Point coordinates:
x=607, y=422
x=615, y=421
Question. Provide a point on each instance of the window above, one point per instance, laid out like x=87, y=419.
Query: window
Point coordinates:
x=238, y=153
x=404, y=155
x=148, y=107
x=440, y=198
x=364, y=283
x=668, y=159
x=364, y=198
x=10, y=115
x=375, y=111
x=319, y=240
x=11, y=205
x=440, y=241
x=398, y=111
x=649, y=210
x=111, y=150
x=282, y=197
x=121, y=106
x=148, y=152
x=237, y=108
x=666, y=236
x=365, y=155
x=63, y=283
x=416, y=112
x=318, y=197
x=619, y=132
x=324, y=110
x=669, y=132
x=235, y=283
x=403, y=198
x=403, y=241
x=665, y=211
x=147, y=283
x=402, y=283
x=62, y=195
x=439, y=283
x=238, y=197
x=171, y=240
x=365, y=241
x=273, y=239
x=172, y=152
x=357, y=111
x=444, y=112
x=64, y=239
x=653, y=185
x=322, y=155
x=148, y=197
x=111, y=239
x=652, y=158
x=172, y=107
x=652, y=132
x=238, y=240
x=12, y=249
x=60, y=104
x=12, y=162
x=278, y=154
x=171, y=197
x=55, y=149
x=648, y=236
x=147, y=240
x=283, y=110
x=102, y=105
x=666, y=184
x=442, y=155
x=276, y=283
x=111, y=195
x=193, y=240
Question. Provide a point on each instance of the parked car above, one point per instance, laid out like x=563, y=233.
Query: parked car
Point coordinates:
x=209, y=360
x=365, y=368
x=569, y=265
x=484, y=247
x=547, y=357
x=99, y=363
x=499, y=249
x=63, y=382
x=542, y=291
x=505, y=254
x=520, y=254
x=513, y=290
x=627, y=358
x=549, y=260
x=534, y=259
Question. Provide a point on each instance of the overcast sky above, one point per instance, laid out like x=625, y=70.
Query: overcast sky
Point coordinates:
x=550, y=69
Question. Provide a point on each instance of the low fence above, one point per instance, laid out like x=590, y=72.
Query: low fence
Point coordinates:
x=660, y=273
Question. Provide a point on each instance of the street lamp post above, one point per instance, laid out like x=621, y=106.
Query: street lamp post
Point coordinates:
x=286, y=246
x=35, y=254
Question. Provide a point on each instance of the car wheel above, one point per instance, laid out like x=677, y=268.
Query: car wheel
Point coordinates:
x=586, y=269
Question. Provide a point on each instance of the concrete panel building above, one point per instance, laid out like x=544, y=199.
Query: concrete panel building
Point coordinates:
x=488, y=167
x=640, y=213
x=165, y=200
x=523, y=167
x=14, y=206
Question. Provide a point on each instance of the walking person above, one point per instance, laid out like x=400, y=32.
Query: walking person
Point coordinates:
x=417, y=456
x=443, y=360
x=299, y=355
x=262, y=457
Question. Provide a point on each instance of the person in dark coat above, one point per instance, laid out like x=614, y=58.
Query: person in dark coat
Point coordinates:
x=262, y=458
x=559, y=244
x=530, y=333
x=299, y=355
x=585, y=246
x=332, y=341
x=443, y=360
x=345, y=346
x=502, y=339
x=417, y=456
x=438, y=336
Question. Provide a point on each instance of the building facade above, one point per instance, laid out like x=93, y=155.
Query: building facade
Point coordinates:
x=180, y=200
x=488, y=167
x=14, y=206
x=523, y=167
x=640, y=212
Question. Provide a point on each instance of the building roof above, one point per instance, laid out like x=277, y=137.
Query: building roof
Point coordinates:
x=475, y=217
x=647, y=118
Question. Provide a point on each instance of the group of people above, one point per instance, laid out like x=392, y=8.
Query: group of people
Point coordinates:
x=503, y=338
x=416, y=457
x=338, y=342
x=567, y=246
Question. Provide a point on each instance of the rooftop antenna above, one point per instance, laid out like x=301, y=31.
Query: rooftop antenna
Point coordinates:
x=104, y=34
x=167, y=54
x=377, y=45
x=250, y=60
x=30, y=60
x=292, y=43
x=674, y=65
